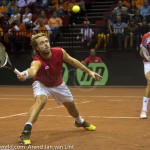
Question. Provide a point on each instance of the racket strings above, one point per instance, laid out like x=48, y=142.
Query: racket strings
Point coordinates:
x=2, y=48
x=3, y=56
x=4, y=59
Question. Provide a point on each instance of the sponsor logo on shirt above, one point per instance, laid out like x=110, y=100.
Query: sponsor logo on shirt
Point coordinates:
x=46, y=67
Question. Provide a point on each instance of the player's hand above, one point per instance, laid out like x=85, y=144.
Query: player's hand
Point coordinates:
x=148, y=58
x=144, y=53
x=95, y=75
x=23, y=76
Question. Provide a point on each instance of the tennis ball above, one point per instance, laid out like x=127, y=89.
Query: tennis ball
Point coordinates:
x=75, y=8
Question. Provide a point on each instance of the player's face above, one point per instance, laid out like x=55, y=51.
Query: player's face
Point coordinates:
x=133, y=3
x=92, y=52
x=54, y=14
x=43, y=45
x=137, y=12
x=27, y=10
x=118, y=19
x=120, y=4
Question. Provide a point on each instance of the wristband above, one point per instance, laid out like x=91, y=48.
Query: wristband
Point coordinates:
x=26, y=74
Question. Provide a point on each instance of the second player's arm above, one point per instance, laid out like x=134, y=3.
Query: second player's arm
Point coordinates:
x=75, y=63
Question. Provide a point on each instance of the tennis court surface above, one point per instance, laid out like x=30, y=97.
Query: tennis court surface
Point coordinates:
x=114, y=111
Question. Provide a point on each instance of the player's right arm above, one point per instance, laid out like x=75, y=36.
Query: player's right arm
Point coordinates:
x=30, y=72
x=143, y=51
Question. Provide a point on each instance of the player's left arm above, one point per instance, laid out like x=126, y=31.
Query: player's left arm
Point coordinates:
x=75, y=63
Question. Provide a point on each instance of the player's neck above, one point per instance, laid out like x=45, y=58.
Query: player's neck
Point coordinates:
x=92, y=56
x=46, y=56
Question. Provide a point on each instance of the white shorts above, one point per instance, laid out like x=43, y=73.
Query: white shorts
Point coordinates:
x=60, y=93
x=146, y=67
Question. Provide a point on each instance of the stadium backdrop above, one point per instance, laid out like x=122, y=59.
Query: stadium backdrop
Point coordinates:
x=122, y=69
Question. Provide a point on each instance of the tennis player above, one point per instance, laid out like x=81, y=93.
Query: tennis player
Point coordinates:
x=145, y=53
x=46, y=70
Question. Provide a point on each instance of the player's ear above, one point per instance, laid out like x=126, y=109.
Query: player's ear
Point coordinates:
x=36, y=48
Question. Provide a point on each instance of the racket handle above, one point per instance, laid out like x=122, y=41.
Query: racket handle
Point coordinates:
x=17, y=72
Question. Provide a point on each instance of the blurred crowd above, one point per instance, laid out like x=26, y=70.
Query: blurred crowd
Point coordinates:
x=124, y=27
x=19, y=19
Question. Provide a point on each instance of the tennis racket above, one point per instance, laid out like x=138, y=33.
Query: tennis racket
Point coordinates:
x=5, y=61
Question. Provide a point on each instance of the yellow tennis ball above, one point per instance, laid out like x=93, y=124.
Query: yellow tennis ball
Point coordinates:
x=75, y=8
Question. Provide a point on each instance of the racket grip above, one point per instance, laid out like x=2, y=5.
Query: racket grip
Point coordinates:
x=17, y=72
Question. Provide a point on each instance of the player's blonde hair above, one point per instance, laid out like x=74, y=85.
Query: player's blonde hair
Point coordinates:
x=34, y=43
x=34, y=37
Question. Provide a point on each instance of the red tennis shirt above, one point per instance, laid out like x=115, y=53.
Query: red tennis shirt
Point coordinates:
x=92, y=59
x=146, y=43
x=50, y=73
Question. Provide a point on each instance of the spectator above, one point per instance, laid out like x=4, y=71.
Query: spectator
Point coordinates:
x=132, y=9
x=70, y=5
x=21, y=3
x=92, y=58
x=144, y=28
x=139, y=3
x=138, y=17
x=42, y=27
x=7, y=2
x=27, y=38
x=53, y=2
x=11, y=7
x=61, y=7
x=104, y=35
x=117, y=10
x=31, y=2
x=109, y=33
x=126, y=3
x=18, y=29
x=87, y=35
x=41, y=15
x=131, y=34
x=124, y=16
x=17, y=32
x=44, y=3
x=82, y=7
x=145, y=9
x=74, y=17
x=15, y=16
x=86, y=21
x=27, y=17
x=118, y=32
x=3, y=9
x=55, y=24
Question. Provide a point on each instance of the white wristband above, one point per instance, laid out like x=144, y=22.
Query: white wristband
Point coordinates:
x=16, y=28
x=26, y=74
